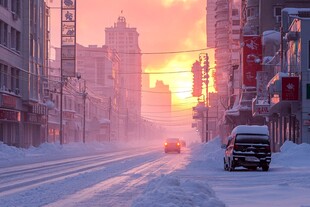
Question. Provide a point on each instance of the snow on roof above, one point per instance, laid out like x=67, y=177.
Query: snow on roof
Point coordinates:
x=250, y=129
x=271, y=36
x=234, y=111
x=277, y=77
x=292, y=11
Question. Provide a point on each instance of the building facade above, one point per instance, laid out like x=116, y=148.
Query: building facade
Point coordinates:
x=23, y=71
x=268, y=62
x=224, y=26
x=124, y=40
x=89, y=97
x=289, y=111
x=265, y=24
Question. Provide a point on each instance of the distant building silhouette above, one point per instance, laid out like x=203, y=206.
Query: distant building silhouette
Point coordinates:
x=124, y=40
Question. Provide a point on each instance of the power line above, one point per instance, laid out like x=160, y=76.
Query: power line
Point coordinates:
x=167, y=52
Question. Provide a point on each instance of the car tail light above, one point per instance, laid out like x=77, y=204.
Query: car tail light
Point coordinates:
x=237, y=148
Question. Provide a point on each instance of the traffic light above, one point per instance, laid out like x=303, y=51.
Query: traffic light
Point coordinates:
x=206, y=69
x=197, y=79
x=206, y=63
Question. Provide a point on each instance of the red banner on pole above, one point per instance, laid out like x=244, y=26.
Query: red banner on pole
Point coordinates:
x=290, y=88
x=252, y=57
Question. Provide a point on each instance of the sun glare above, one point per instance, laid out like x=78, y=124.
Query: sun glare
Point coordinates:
x=177, y=74
x=169, y=3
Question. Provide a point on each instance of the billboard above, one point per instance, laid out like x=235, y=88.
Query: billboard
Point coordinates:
x=290, y=88
x=252, y=56
x=68, y=38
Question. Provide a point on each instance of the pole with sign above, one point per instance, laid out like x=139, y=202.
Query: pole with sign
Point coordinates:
x=68, y=49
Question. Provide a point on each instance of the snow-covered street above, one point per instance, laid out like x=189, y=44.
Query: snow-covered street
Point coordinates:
x=112, y=174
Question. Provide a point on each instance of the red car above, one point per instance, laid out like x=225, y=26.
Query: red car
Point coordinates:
x=172, y=145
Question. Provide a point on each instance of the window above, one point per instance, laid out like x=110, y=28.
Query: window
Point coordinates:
x=12, y=87
x=235, y=12
x=4, y=3
x=252, y=12
x=236, y=32
x=18, y=40
x=13, y=38
x=1, y=31
x=277, y=11
x=5, y=34
x=236, y=22
x=1, y=74
x=17, y=79
x=5, y=76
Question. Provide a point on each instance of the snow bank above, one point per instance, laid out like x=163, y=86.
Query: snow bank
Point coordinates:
x=10, y=156
x=207, y=155
x=174, y=191
x=169, y=191
x=292, y=155
x=8, y=152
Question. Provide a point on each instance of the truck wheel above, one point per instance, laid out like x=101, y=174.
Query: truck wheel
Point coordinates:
x=265, y=168
x=225, y=165
x=231, y=166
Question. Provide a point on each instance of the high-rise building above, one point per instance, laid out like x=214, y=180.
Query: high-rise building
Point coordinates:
x=222, y=54
x=124, y=40
x=211, y=5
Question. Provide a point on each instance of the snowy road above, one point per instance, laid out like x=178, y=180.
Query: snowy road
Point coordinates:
x=88, y=180
x=147, y=177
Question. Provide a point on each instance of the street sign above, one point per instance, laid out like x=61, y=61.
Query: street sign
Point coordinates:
x=68, y=37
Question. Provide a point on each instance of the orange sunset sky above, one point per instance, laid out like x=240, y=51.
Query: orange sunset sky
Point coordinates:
x=163, y=25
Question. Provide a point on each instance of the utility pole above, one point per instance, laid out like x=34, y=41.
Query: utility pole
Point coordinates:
x=110, y=107
x=60, y=121
x=84, y=111
x=206, y=67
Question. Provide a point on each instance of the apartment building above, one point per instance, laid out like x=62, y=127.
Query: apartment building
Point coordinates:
x=23, y=71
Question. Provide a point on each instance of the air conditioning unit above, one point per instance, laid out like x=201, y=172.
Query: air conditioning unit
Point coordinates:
x=14, y=16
